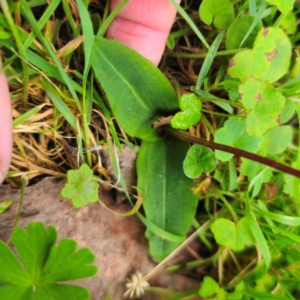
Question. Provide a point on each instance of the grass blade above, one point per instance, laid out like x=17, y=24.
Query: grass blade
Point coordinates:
x=209, y=59
x=257, y=233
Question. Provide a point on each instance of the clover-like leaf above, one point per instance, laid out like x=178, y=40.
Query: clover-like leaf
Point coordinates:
x=283, y=5
x=199, y=159
x=268, y=60
x=219, y=12
x=234, y=134
x=232, y=235
x=81, y=188
x=190, y=114
x=44, y=266
x=264, y=103
x=238, y=30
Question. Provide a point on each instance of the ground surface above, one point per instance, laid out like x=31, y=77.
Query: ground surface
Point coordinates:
x=118, y=242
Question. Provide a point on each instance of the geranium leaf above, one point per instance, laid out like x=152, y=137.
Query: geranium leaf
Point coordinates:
x=81, y=188
x=44, y=264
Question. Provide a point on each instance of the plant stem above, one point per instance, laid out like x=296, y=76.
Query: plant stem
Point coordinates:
x=238, y=152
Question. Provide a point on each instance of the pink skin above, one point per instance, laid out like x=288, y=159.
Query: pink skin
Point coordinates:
x=5, y=126
x=143, y=25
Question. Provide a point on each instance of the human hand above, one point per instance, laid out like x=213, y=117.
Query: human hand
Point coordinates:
x=143, y=25
x=5, y=126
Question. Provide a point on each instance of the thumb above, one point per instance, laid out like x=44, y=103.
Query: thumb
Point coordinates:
x=143, y=25
x=5, y=126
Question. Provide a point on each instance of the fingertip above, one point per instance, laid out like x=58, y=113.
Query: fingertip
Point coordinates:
x=6, y=139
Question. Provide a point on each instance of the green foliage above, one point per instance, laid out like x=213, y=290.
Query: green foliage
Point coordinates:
x=283, y=5
x=44, y=266
x=199, y=159
x=232, y=235
x=136, y=90
x=237, y=31
x=5, y=205
x=268, y=60
x=168, y=202
x=234, y=134
x=289, y=24
x=264, y=104
x=210, y=289
x=218, y=12
x=190, y=114
x=81, y=188
x=277, y=139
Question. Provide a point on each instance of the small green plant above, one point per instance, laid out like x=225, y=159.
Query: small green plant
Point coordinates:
x=43, y=266
x=81, y=188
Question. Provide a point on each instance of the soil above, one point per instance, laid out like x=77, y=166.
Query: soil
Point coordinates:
x=118, y=242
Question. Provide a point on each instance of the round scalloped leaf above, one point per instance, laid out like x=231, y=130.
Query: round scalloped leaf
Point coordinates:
x=283, y=5
x=199, y=159
x=269, y=59
x=234, y=134
x=190, y=114
x=219, y=12
x=238, y=30
x=264, y=103
x=232, y=235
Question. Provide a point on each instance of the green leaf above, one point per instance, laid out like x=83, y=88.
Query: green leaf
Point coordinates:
x=287, y=112
x=4, y=205
x=264, y=103
x=289, y=24
x=234, y=134
x=237, y=31
x=219, y=12
x=33, y=246
x=43, y=264
x=232, y=235
x=81, y=188
x=191, y=112
x=238, y=292
x=261, y=178
x=211, y=289
x=277, y=139
x=269, y=59
x=168, y=202
x=199, y=159
x=283, y=5
x=136, y=89
x=250, y=168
